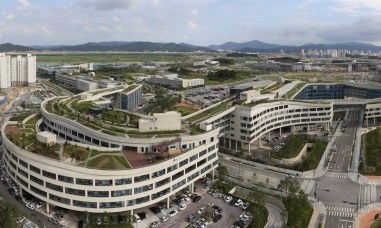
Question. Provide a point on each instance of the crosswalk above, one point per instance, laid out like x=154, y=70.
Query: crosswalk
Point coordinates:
x=336, y=175
x=340, y=211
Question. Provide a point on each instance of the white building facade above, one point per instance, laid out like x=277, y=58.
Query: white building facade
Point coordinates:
x=5, y=73
x=23, y=70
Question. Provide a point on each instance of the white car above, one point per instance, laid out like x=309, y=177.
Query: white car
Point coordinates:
x=30, y=206
x=40, y=204
x=99, y=221
x=228, y=199
x=182, y=207
x=244, y=206
x=238, y=203
x=185, y=197
x=201, y=210
x=164, y=218
x=172, y=213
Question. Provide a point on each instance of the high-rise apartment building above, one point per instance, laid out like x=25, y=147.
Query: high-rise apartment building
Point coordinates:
x=17, y=71
x=5, y=73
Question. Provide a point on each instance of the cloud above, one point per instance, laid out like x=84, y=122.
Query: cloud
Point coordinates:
x=354, y=6
x=244, y=24
x=192, y=25
x=119, y=28
x=106, y=5
x=193, y=13
x=23, y=4
x=365, y=29
x=104, y=28
x=8, y=16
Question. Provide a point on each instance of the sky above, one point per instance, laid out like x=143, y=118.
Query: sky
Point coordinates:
x=197, y=22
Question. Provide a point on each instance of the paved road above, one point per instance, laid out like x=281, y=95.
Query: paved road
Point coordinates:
x=341, y=158
x=275, y=218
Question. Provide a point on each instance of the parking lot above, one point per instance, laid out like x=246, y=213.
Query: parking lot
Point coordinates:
x=209, y=95
x=180, y=219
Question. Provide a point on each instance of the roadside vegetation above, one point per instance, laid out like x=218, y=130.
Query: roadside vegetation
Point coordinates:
x=371, y=151
x=338, y=115
x=299, y=210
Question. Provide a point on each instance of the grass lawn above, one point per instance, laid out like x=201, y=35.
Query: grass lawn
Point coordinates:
x=185, y=110
x=74, y=151
x=293, y=146
x=26, y=130
x=376, y=224
x=211, y=111
x=108, y=162
x=34, y=119
x=338, y=115
x=291, y=92
x=372, y=151
x=17, y=118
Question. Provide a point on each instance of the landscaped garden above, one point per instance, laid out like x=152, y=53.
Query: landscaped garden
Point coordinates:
x=211, y=111
x=28, y=141
x=371, y=151
x=338, y=115
x=185, y=110
x=76, y=152
x=108, y=162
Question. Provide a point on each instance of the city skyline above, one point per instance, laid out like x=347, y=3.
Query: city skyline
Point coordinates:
x=42, y=22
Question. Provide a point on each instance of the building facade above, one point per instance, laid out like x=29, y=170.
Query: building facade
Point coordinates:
x=23, y=70
x=5, y=73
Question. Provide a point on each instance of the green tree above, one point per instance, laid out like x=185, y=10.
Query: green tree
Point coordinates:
x=267, y=182
x=290, y=186
x=222, y=173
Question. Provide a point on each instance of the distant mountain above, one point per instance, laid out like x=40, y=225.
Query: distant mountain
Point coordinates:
x=258, y=46
x=12, y=47
x=255, y=44
x=135, y=46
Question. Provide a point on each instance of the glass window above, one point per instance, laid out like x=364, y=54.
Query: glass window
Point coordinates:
x=162, y=182
x=158, y=173
x=143, y=188
x=38, y=191
x=178, y=184
x=97, y=193
x=183, y=162
x=103, y=182
x=141, y=178
x=111, y=204
x=171, y=168
x=35, y=169
x=125, y=192
x=54, y=187
x=123, y=181
x=49, y=174
x=23, y=163
x=36, y=180
x=59, y=199
x=84, y=181
x=194, y=157
x=202, y=153
x=73, y=191
x=86, y=204
x=190, y=168
x=160, y=194
x=65, y=179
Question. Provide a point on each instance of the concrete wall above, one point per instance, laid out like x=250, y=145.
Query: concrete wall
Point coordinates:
x=289, y=161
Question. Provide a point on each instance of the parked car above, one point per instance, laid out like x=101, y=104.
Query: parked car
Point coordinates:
x=244, y=206
x=58, y=216
x=196, y=199
x=172, y=213
x=154, y=224
x=54, y=220
x=30, y=206
x=18, y=198
x=80, y=224
x=238, y=203
x=217, y=217
x=201, y=210
x=164, y=218
x=191, y=217
x=99, y=221
x=182, y=207
x=290, y=176
x=40, y=204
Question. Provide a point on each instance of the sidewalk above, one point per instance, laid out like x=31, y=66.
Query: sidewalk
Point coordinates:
x=320, y=213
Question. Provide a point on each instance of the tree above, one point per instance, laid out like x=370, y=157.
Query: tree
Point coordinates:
x=291, y=186
x=267, y=182
x=222, y=173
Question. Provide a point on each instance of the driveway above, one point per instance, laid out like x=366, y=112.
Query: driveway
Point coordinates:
x=274, y=216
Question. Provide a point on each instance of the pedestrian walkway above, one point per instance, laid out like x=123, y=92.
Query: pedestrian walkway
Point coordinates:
x=338, y=175
x=341, y=211
x=307, y=186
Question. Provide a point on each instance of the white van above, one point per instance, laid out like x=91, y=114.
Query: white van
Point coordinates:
x=137, y=218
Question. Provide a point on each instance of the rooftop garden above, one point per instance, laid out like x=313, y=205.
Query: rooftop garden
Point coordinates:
x=105, y=161
x=293, y=91
x=223, y=105
x=76, y=152
x=106, y=90
x=130, y=88
x=34, y=119
x=28, y=141
x=184, y=110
